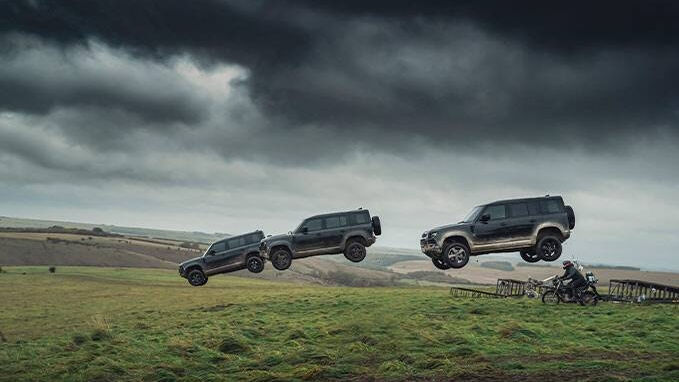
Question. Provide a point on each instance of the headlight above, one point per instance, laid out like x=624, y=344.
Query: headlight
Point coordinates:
x=433, y=234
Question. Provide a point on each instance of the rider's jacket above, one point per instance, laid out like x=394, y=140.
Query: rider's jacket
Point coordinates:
x=574, y=275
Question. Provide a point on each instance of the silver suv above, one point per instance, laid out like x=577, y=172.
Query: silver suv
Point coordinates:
x=534, y=227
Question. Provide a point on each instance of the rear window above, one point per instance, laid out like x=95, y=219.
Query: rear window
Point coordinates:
x=518, y=210
x=551, y=206
x=254, y=238
x=533, y=208
x=360, y=217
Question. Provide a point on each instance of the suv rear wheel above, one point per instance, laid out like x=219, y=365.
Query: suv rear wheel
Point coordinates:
x=255, y=264
x=456, y=254
x=196, y=277
x=281, y=259
x=440, y=264
x=548, y=247
x=354, y=251
x=530, y=256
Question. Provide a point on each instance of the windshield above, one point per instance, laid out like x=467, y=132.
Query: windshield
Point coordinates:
x=472, y=215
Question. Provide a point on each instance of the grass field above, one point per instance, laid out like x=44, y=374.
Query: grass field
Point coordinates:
x=107, y=324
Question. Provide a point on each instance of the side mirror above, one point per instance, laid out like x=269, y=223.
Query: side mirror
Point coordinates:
x=305, y=230
x=484, y=218
x=211, y=253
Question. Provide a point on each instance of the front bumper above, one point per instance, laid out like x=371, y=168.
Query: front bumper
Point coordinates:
x=430, y=248
x=182, y=272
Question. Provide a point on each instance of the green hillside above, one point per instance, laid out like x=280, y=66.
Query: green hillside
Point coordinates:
x=107, y=324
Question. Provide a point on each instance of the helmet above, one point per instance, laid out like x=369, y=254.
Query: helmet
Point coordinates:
x=567, y=264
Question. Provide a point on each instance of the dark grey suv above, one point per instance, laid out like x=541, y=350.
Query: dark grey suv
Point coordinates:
x=348, y=232
x=227, y=255
x=534, y=227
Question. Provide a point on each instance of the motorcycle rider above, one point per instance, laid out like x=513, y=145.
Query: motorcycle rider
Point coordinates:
x=577, y=280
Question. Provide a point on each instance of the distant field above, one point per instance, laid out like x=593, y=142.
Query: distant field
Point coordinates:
x=133, y=231
x=107, y=324
x=482, y=275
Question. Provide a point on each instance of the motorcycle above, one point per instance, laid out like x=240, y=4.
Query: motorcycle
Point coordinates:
x=585, y=295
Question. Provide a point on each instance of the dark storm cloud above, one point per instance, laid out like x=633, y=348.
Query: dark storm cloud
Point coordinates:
x=36, y=78
x=449, y=72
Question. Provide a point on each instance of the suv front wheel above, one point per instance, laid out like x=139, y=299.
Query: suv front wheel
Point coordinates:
x=456, y=254
x=549, y=247
x=354, y=251
x=196, y=277
x=281, y=259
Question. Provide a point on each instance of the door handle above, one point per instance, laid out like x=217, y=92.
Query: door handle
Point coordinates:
x=503, y=224
x=531, y=221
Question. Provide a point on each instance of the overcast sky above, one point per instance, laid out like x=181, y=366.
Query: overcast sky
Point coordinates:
x=234, y=115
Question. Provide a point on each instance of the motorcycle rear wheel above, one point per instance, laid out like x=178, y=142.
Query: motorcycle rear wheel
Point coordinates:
x=588, y=298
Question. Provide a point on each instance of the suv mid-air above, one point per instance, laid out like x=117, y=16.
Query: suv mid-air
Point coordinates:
x=535, y=227
x=227, y=255
x=347, y=232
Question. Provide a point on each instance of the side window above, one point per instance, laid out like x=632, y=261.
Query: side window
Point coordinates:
x=533, y=208
x=361, y=218
x=518, y=210
x=235, y=243
x=496, y=212
x=218, y=247
x=314, y=225
x=332, y=222
x=550, y=206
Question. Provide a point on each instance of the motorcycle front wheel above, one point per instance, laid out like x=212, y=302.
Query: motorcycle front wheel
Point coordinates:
x=550, y=297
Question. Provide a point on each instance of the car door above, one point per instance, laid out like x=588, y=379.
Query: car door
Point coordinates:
x=235, y=254
x=309, y=236
x=216, y=257
x=520, y=224
x=335, y=228
x=495, y=227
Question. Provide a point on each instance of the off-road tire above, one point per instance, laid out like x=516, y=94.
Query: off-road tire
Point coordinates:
x=281, y=259
x=255, y=264
x=196, y=277
x=377, y=226
x=456, y=254
x=549, y=247
x=530, y=256
x=440, y=264
x=588, y=298
x=354, y=251
x=550, y=297
x=571, y=217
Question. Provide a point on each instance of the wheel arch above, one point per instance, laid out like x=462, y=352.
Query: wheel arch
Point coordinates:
x=194, y=267
x=457, y=237
x=550, y=230
x=251, y=253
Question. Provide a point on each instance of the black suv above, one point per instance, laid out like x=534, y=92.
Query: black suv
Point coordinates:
x=227, y=255
x=347, y=232
x=535, y=227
